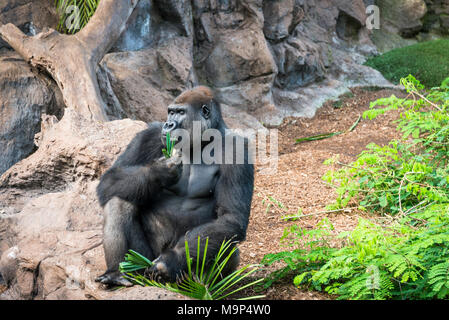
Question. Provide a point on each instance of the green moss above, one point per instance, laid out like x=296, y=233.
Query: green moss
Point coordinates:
x=427, y=61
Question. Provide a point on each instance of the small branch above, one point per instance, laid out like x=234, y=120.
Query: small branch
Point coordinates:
x=427, y=100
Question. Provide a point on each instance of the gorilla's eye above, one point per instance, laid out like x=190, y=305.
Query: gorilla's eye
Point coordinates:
x=182, y=112
x=171, y=112
x=205, y=110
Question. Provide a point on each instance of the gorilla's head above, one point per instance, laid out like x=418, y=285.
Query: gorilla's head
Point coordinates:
x=195, y=105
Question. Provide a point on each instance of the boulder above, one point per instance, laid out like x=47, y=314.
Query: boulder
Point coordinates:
x=356, y=9
x=238, y=56
x=403, y=15
x=444, y=23
x=281, y=17
x=299, y=62
x=144, y=82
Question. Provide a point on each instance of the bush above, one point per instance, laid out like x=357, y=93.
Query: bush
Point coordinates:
x=407, y=256
x=428, y=61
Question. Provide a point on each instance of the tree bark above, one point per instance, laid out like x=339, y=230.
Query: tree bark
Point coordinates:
x=72, y=60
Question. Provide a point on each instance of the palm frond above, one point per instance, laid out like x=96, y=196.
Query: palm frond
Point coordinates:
x=74, y=14
x=200, y=282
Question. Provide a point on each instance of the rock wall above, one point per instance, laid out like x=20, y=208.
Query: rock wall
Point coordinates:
x=405, y=22
x=262, y=58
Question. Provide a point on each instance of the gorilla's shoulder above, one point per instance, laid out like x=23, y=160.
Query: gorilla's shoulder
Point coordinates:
x=144, y=147
x=242, y=151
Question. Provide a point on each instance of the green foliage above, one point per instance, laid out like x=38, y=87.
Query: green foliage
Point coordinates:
x=134, y=261
x=406, y=181
x=74, y=14
x=168, y=151
x=428, y=61
x=407, y=174
x=200, y=282
x=400, y=261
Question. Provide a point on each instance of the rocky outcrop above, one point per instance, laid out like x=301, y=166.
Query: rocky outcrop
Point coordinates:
x=146, y=81
x=405, y=15
x=405, y=22
x=23, y=97
x=29, y=15
x=252, y=53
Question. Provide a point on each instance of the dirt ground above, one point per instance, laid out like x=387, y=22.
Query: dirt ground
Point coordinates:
x=298, y=184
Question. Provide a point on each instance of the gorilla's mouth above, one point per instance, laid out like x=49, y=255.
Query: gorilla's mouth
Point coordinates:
x=175, y=140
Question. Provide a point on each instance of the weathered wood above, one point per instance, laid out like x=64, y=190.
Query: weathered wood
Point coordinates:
x=72, y=60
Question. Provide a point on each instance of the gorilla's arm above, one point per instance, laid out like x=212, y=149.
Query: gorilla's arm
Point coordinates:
x=135, y=175
x=233, y=195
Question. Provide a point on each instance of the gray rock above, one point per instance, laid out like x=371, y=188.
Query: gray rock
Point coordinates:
x=154, y=22
x=30, y=16
x=144, y=82
x=281, y=17
x=404, y=15
x=299, y=63
x=23, y=97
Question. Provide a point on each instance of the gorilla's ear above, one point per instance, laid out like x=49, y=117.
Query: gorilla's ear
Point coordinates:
x=205, y=111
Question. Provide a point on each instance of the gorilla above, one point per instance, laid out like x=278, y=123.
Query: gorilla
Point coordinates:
x=153, y=205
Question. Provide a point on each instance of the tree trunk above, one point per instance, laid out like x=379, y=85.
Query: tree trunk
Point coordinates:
x=72, y=60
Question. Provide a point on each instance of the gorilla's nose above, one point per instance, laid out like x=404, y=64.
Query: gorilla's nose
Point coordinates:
x=169, y=126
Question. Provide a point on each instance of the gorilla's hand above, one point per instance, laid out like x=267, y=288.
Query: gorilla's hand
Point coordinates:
x=169, y=170
x=164, y=269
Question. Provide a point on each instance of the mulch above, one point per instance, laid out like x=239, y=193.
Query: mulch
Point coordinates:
x=298, y=183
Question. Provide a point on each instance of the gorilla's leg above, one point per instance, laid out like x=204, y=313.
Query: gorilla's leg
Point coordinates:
x=232, y=263
x=122, y=231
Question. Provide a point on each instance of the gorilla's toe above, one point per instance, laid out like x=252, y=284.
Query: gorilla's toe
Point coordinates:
x=113, y=279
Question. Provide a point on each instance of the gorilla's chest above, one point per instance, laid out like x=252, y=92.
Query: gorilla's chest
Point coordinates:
x=197, y=181
x=191, y=201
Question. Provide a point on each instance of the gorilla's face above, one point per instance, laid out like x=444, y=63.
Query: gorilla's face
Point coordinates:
x=192, y=110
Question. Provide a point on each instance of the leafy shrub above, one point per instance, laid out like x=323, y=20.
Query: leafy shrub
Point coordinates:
x=408, y=182
x=428, y=61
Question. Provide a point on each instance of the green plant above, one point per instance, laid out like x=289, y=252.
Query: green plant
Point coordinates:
x=401, y=261
x=134, y=261
x=168, y=151
x=328, y=135
x=428, y=61
x=203, y=280
x=74, y=14
x=404, y=253
x=406, y=174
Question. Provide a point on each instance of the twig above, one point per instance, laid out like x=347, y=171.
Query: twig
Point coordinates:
x=428, y=101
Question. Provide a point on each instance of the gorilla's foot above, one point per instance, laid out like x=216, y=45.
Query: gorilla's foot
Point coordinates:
x=113, y=278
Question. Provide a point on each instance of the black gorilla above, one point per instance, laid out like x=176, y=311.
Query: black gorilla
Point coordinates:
x=152, y=204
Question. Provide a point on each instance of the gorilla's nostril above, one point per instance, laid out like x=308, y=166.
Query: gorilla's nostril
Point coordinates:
x=169, y=125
